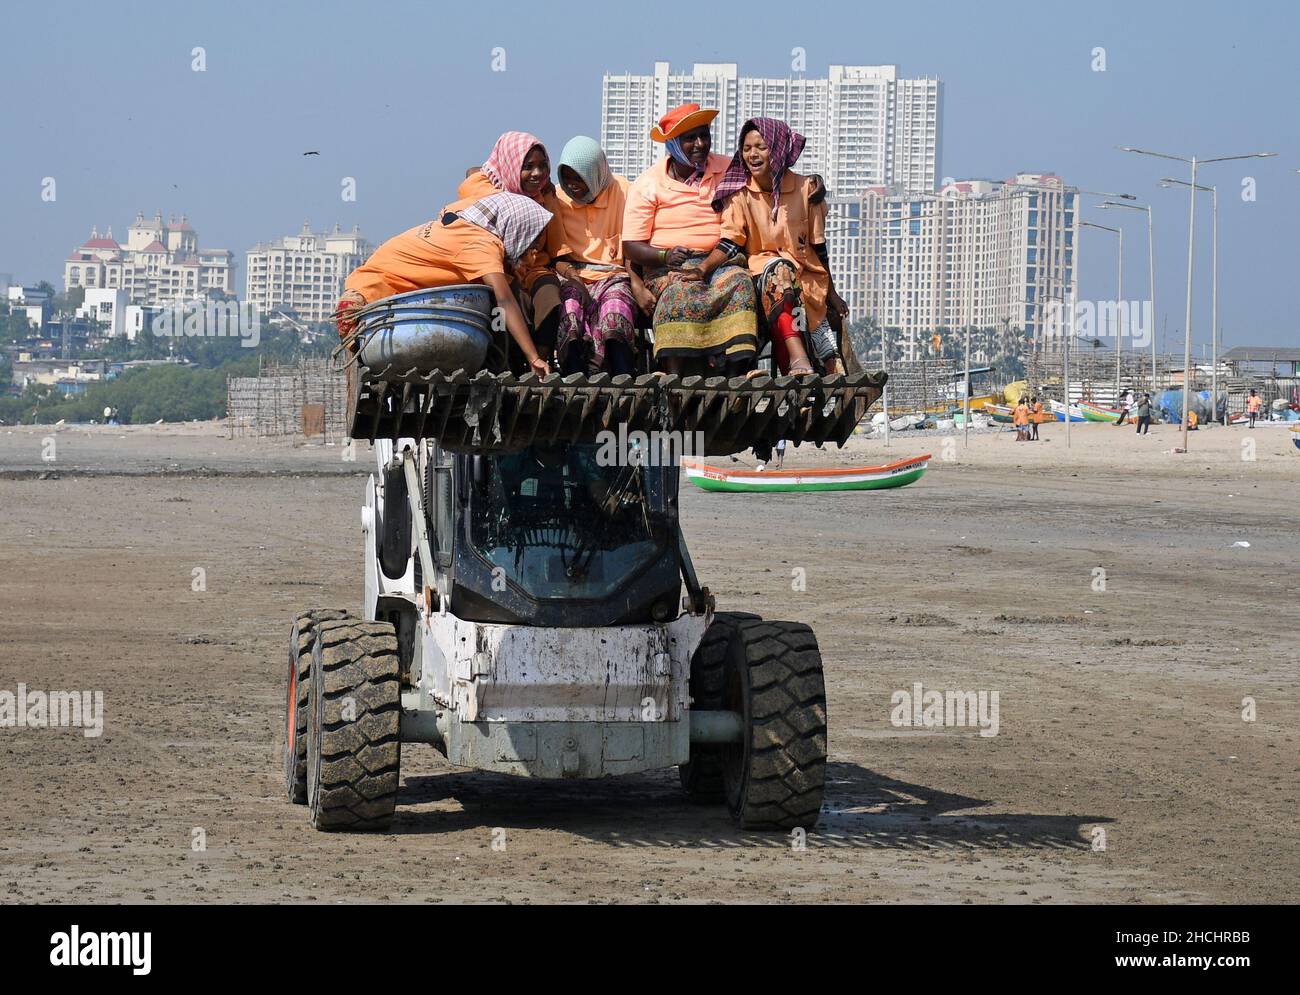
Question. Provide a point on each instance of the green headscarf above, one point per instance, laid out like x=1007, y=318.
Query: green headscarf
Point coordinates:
x=586, y=158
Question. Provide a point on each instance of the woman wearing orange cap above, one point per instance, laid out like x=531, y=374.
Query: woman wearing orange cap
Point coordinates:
x=702, y=321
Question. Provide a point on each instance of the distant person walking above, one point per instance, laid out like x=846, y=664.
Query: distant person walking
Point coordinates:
x=1036, y=419
x=1144, y=415
x=1253, y=404
x=1125, y=407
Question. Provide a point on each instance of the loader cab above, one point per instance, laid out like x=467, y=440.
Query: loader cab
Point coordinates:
x=556, y=535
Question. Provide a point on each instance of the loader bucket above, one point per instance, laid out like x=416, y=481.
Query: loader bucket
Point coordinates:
x=500, y=412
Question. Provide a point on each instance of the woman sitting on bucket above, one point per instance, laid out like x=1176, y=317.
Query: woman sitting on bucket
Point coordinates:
x=480, y=242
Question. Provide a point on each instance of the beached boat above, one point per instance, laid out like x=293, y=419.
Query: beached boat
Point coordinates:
x=1095, y=412
x=999, y=413
x=1058, y=409
x=857, y=478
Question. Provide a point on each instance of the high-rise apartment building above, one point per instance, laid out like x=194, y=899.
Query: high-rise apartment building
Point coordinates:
x=864, y=125
x=997, y=255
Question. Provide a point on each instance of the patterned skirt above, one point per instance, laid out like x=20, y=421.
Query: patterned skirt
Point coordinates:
x=596, y=313
x=704, y=319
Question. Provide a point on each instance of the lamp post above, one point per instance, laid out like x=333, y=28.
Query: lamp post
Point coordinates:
x=1151, y=274
x=1191, y=240
x=1119, y=335
x=1213, y=191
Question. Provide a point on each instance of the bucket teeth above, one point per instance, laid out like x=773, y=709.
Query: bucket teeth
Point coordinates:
x=496, y=413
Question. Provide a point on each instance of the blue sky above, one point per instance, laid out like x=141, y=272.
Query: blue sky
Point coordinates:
x=402, y=97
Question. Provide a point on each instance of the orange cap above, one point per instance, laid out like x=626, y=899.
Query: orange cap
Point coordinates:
x=680, y=120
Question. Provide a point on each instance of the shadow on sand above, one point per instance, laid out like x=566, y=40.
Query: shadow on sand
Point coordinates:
x=862, y=809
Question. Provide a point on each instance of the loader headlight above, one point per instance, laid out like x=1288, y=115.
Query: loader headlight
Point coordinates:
x=661, y=610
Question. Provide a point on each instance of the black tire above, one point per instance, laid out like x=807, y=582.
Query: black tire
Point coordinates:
x=701, y=776
x=296, y=698
x=354, y=747
x=775, y=778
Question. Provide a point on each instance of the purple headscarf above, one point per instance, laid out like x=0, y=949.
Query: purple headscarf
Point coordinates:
x=784, y=147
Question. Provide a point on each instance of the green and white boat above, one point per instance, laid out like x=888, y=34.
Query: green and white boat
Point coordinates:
x=857, y=478
x=1095, y=412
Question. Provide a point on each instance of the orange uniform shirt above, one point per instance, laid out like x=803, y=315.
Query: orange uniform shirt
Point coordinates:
x=799, y=225
x=593, y=233
x=429, y=255
x=1254, y=403
x=1021, y=416
x=667, y=213
x=476, y=186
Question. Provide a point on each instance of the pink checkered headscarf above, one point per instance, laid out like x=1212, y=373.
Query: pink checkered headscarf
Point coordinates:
x=507, y=159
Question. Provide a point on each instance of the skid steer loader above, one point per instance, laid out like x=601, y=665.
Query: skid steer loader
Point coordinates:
x=530, y=606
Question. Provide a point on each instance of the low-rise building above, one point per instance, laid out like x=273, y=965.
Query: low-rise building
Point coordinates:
x=31, y=301
x=160, y=263
x=107, y=306
x=303, y=274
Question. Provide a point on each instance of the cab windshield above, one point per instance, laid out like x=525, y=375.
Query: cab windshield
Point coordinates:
x=560, y=525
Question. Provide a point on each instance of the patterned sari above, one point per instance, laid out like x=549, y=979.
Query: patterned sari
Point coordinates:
x=710, y=320
x=596, y=314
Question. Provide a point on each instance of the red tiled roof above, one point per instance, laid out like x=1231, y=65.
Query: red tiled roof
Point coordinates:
x=154, y=246
x=100, y=243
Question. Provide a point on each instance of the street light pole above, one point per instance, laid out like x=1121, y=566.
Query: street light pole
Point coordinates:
x=1214, y=313
x=1151, y=282
x=1191, y=233
x=884, y=394
x=1151, y=276
x=1119, y=340
x=1123, y=312
x=1213, y=191
x=1187, y=338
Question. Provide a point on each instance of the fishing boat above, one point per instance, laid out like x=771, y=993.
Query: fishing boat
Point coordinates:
x=1095, y=412
x=1058, y=409
x=856, y=478
x=999, y=413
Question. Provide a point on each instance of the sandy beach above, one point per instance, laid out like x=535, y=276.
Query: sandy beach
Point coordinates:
x=1144, y=657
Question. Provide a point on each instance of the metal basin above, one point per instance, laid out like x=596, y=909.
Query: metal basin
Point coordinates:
x=443, y=328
